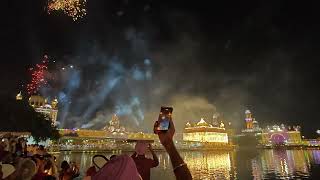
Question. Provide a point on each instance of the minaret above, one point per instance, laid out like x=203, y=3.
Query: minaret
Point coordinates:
x=19, y=96
x=54, y=103
x=249, y=119
x=54, y=111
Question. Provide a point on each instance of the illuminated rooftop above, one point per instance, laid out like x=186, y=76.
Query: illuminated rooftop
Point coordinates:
x=203, y=126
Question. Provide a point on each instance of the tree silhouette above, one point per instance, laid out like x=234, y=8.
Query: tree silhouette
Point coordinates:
x=19, y=116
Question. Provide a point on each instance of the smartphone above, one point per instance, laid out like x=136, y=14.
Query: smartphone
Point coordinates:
x=164, y=119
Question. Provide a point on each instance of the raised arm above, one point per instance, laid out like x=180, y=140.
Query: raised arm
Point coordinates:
x=154, y=157
x=180, y=168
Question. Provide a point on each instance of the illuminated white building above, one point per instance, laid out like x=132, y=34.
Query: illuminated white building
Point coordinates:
x=205, y=132
x=41, y=105
x=277, y=135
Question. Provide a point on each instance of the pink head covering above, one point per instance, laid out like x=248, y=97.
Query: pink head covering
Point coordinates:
x=141, y=148
x=119, y=168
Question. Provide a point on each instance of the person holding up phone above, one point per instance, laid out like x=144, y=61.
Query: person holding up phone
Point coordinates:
x=180, y=168
x=143, y=163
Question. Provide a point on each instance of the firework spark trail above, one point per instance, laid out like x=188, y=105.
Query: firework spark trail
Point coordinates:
x=38, y=78
x=73, y=8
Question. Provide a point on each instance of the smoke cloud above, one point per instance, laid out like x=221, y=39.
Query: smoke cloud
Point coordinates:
x=137, y=69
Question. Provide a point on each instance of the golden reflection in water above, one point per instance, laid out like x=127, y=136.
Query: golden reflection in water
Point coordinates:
x=83, y=160
x=208, y=165
x=256, y=170
x=265, y=164
x=285, y=163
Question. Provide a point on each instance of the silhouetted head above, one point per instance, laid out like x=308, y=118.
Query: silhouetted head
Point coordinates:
x=41, y=147
x=26, y=169
x=65, y=165
x=141, y=148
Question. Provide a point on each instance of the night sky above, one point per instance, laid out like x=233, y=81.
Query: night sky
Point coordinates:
x=230, y=55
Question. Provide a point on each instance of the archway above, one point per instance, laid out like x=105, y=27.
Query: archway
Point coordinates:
x=278, y=138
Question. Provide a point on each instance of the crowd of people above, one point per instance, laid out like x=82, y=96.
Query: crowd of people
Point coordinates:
x=19, y=161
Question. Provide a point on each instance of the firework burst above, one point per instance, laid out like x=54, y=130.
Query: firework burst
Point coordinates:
x=73, y=8
x=38, y=78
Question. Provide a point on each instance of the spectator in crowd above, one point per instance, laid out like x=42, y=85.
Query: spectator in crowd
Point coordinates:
x=6, y=170
x=25, y=170
x=39, y=161
x=144, y=164
x=19, y=148
x=68, y=172
x=121, y=168
x=12, y=147
x=49, y=168
x=41, y=150
x=4, y=155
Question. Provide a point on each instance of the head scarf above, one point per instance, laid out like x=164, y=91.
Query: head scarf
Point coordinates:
x=121, y=168
x=26, y=169
x=7, y=170
x=141, y=148
x=99, y=161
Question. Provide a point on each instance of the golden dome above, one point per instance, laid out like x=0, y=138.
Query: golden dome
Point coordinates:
x=19, y=96
x=36, y=101
x=202, y=122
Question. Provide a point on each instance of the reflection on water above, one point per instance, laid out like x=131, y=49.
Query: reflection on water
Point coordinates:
x=284, y=164
x=205, y=165
x=263, y=164
x=314, y=156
